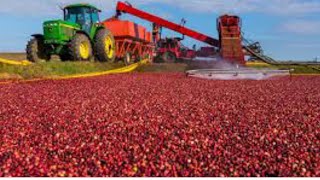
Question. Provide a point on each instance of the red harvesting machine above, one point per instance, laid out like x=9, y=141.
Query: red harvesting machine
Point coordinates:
x=172, y=50
x=229, y=28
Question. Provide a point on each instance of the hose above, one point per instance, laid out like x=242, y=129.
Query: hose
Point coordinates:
x=15, y=63
x=122, y=70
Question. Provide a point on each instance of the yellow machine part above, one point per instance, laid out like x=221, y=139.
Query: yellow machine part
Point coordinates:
x=257, y=64
x=122, y=70
x=109, y=47
x=13, y=62
x=84, y=50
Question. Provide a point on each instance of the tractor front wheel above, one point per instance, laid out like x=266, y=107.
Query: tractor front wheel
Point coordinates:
x=36, y=50
x=105, y=46
x=80, y=48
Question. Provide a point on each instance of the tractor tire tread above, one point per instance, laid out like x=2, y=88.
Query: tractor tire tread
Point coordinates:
x=74, y=49
x=100, y=53
x=36, y=51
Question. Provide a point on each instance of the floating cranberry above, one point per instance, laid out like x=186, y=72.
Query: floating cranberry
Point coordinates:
x=160, y=125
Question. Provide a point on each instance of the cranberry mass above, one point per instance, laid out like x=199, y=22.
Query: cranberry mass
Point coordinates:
x=160, y=125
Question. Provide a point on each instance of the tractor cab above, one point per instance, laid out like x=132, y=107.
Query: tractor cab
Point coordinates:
x=168, y=43
x=171, y=43
x=172, y=49
x=84, y=15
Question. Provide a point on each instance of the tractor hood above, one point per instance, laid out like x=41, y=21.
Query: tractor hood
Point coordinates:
x=59, y=22
x=59, y=31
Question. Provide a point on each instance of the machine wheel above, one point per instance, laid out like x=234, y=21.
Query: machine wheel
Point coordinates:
x=137, y=58
x=127, y=59
x=105, y=46
x=80, y=48
x=36, y=50
x=158, y=59
x=150, y=58
x=169, y=57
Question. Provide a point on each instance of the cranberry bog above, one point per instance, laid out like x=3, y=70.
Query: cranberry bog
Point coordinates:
x=160, y=125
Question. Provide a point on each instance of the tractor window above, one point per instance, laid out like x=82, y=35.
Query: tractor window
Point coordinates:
x=183, y=47
x=87, y=16
x=95, y=16
x=73, y=15
x=70, y=15
x=78, y=15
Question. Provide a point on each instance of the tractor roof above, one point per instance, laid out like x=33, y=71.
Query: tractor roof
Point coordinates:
x=81, y=5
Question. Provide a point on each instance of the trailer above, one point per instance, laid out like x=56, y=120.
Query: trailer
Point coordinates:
x=133, y=41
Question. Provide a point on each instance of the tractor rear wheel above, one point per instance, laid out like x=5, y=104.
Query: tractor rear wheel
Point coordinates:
x=169, y=57
x=80, y=48
x=105, y=46
x=36, y=50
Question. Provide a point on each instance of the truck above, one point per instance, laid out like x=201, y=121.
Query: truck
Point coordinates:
x=172, y=50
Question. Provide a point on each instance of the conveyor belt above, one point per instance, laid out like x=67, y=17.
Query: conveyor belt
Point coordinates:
x=271, y=61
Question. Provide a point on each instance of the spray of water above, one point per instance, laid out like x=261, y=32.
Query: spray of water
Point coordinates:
x=224, y=70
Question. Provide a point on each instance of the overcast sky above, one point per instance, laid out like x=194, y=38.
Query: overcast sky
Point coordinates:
x=287, y=29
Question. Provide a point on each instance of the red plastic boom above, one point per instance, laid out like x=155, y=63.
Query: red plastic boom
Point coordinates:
x=125, y=8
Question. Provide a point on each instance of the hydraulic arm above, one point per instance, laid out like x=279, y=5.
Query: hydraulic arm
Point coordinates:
x=127, y=8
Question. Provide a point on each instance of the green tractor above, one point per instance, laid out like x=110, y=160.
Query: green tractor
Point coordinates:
x=79, y=37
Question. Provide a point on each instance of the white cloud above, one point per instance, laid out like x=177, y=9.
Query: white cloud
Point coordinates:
x=47, y=7
x=302, y=27
x=275, y=7
x=305, y=45
x=294, y=7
